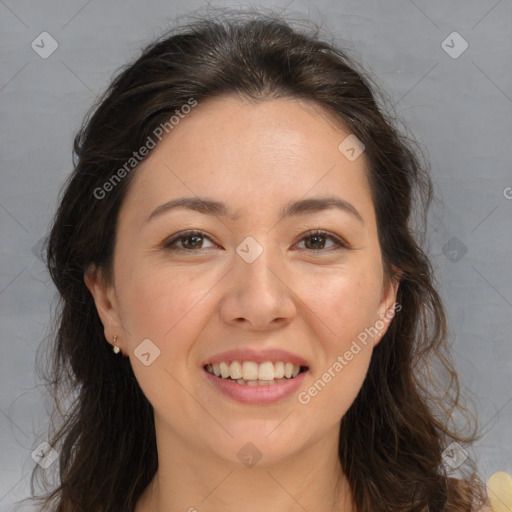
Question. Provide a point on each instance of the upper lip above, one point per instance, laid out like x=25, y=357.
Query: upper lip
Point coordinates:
x=258, y=356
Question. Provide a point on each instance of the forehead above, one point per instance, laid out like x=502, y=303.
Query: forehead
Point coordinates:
x=252, y=155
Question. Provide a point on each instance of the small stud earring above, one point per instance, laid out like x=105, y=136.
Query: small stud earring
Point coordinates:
x=116, y=348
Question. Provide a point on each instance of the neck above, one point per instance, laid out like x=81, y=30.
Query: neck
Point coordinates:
x=189, y=480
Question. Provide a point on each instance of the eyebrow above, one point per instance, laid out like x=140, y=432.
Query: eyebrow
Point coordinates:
x=293, y=208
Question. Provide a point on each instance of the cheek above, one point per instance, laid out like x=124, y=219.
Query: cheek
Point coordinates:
x=156, y=302
x=345, y=307
x=334, y=388
x=345, y=310
x=165, y=308
x=347, y=303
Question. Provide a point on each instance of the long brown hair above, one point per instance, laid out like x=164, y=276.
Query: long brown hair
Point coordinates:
x=393, y=436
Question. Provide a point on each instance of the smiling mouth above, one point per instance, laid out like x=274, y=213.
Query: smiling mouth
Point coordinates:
x=250, y=373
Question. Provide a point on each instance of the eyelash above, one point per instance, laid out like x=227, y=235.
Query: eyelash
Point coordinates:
x=170, y=243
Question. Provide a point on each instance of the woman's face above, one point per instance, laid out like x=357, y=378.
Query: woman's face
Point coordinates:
x=255, y=282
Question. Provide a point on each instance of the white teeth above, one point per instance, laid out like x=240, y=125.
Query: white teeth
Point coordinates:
x=224, y=370
x=266, y=371
x=235, y=371
x=279, y=370
x=251, y=373
x=250, y=370
x=259, y=382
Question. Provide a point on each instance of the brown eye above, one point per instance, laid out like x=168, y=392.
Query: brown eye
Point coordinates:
x=186, y=241
x=316, y=241
x=191, y=241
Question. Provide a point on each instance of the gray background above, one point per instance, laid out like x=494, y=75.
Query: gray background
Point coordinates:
x=458, y=108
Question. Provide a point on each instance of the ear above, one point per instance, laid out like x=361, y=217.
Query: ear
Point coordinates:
x=388, y=305
x=104, y=298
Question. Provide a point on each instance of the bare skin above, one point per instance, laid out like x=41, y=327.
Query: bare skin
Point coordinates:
x=305, y=295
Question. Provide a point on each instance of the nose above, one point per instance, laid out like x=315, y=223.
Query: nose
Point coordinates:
x=258, y=297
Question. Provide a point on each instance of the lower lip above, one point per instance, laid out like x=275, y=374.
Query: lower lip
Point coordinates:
x=256, y=394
